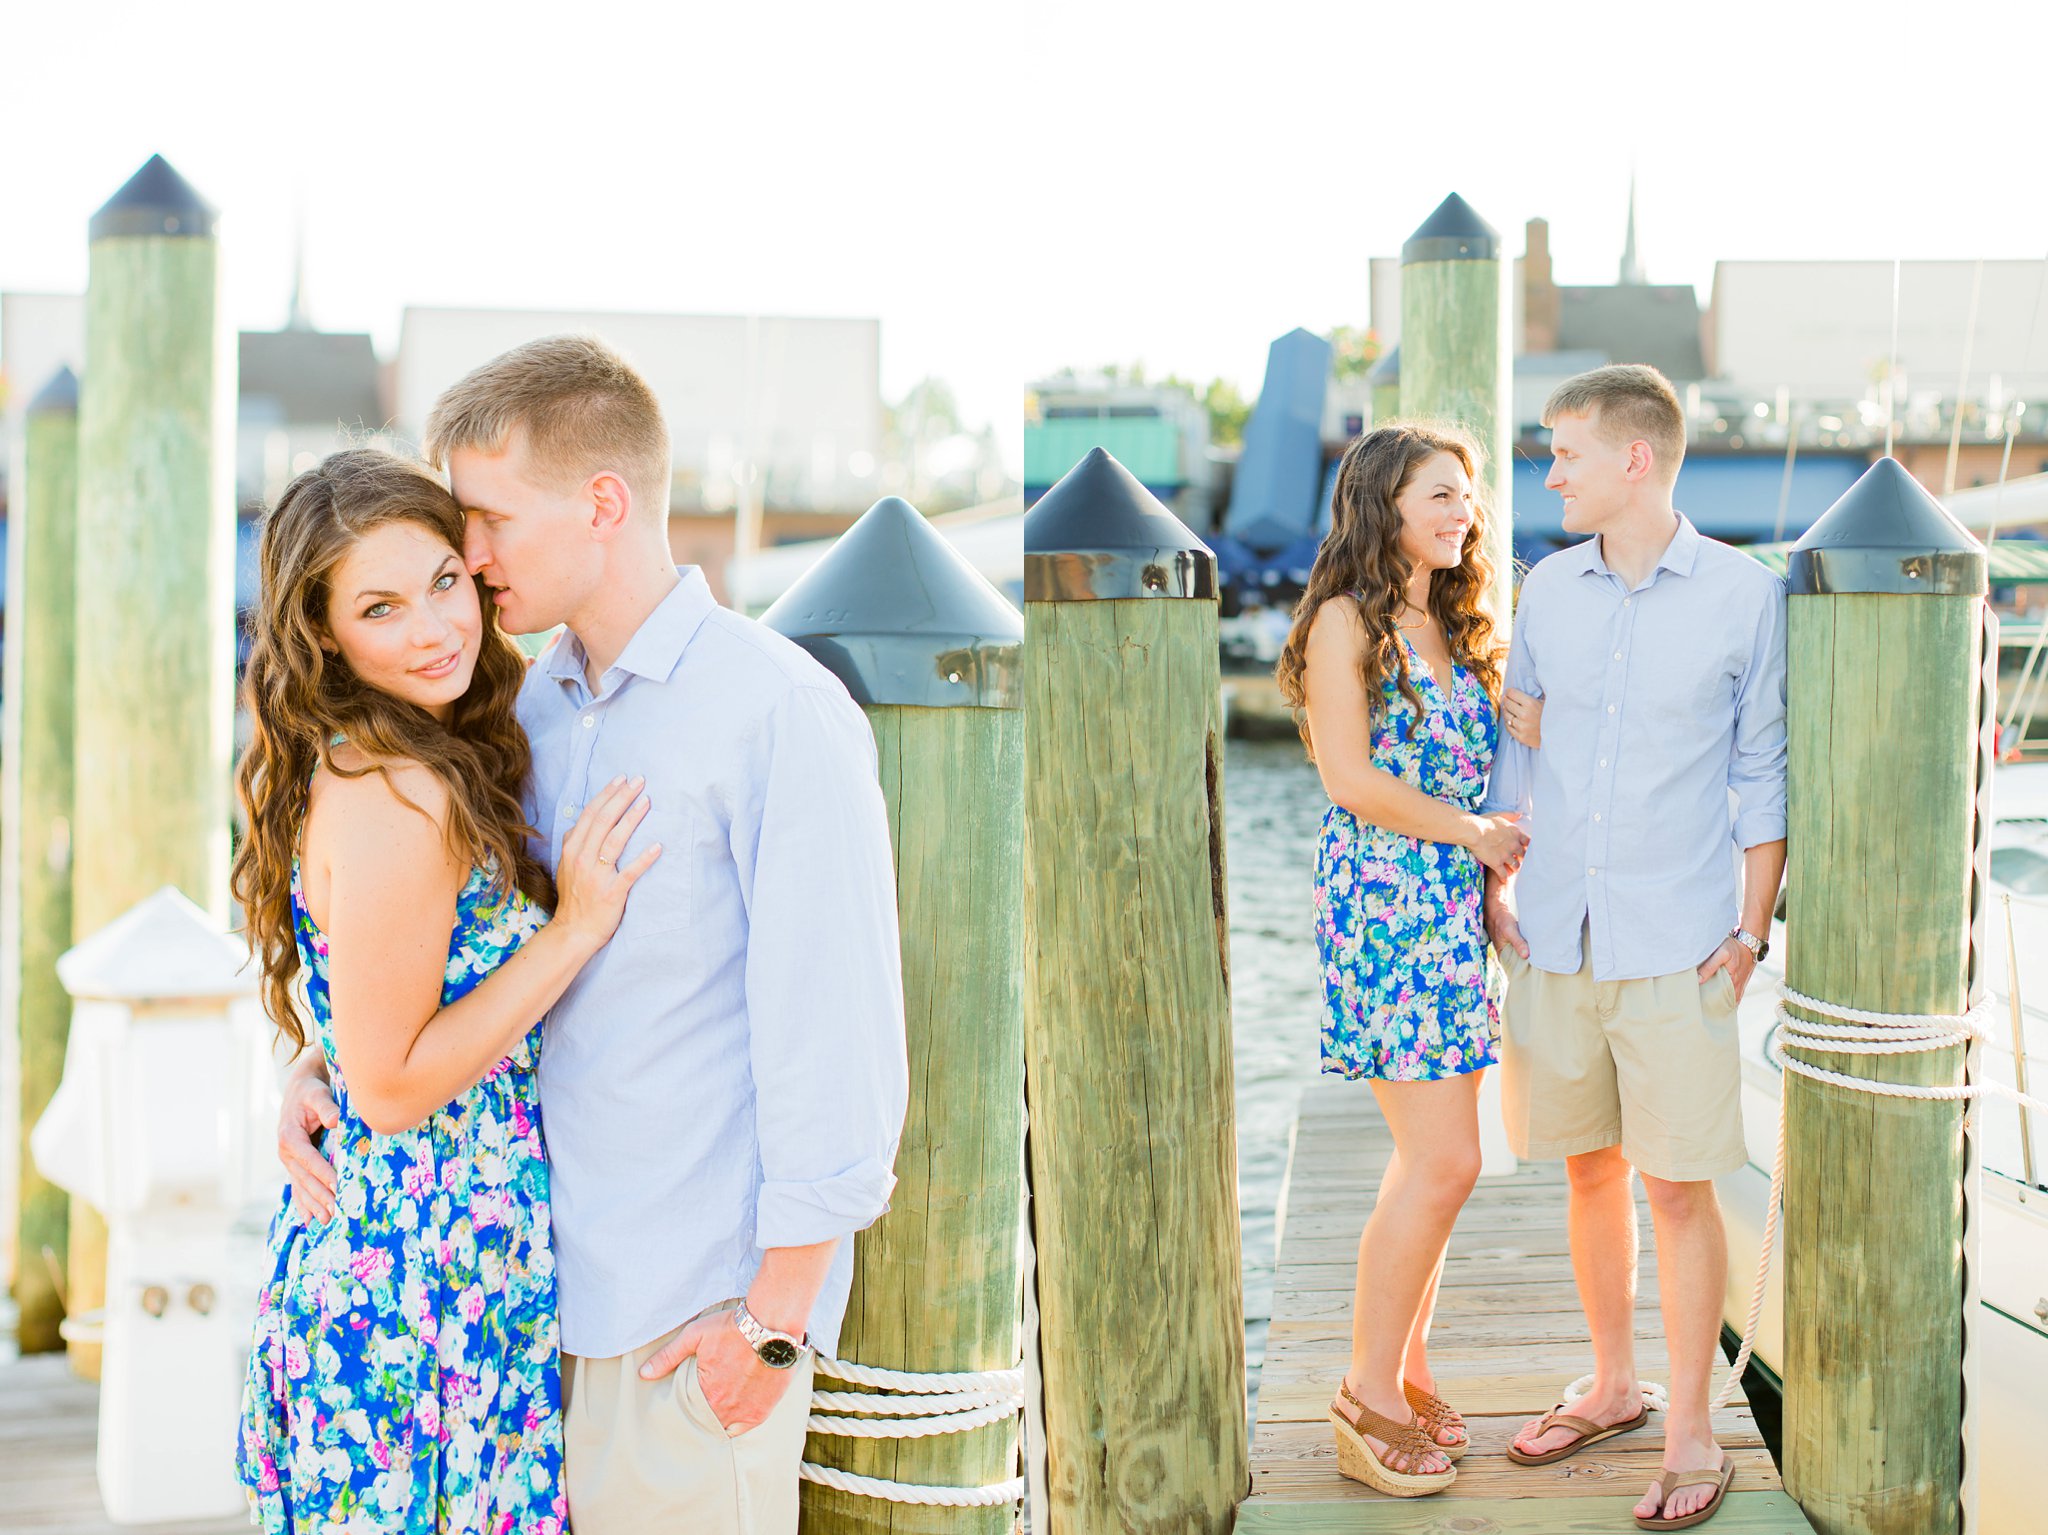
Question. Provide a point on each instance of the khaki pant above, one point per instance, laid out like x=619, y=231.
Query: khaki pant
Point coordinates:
x=648, y=1457
x=1651, y=1065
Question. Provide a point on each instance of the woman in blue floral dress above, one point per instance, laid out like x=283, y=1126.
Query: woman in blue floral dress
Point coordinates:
x=406, y=1368
x=1395, y=660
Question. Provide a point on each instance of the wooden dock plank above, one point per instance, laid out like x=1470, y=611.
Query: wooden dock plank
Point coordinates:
x=49, y=1426
x=1745, y=1513
x=1509, y=1336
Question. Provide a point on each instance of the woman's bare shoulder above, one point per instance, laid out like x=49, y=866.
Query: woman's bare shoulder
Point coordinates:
x=1337, y=623
x=364, y=796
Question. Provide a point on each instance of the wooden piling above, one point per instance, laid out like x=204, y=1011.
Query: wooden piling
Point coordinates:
x=155, y=608
x=932, y=652
x=35, y=899
x=1885, y=622
x=1457, y=354
x=1127, y=1017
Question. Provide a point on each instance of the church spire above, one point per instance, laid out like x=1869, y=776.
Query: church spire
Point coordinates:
x=299, y=319
x=1631, y=263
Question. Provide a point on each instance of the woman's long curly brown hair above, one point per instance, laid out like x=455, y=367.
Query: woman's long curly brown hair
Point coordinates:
x=301, y=699
x=1361, y=560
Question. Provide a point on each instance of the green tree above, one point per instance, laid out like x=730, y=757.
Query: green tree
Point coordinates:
x=1356, y=350
x=1228, y=410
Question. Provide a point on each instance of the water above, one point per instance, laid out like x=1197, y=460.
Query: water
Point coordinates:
x=1273, y=806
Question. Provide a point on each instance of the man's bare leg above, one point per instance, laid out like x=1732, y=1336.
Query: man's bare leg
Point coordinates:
x=1692, y=1278
x=1602, y=1225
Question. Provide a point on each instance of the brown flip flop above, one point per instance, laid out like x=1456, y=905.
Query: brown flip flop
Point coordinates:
x=1588, y=1432
x=1668, y=1482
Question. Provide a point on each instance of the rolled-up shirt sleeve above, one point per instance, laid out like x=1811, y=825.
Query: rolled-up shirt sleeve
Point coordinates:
x=823, y=972
x=1756, y=768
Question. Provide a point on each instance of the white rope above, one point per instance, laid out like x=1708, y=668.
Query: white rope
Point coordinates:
x=1733, y=1382
x=1870, y=1033
x=1861, y=1032
x=1653, y=1393
x=910, y=1492
x=1007, y=1381
x=912, y=1428
x=906, y=1405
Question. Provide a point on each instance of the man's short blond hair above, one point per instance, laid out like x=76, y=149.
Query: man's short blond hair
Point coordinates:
x=583, y=410
x=1627, y=402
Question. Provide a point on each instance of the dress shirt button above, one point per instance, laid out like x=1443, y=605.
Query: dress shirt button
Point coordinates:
x=1603, y=762
x=1610, y=710
x=1592, y=871
x=1626, y=601
x=591, y=719
x=568, y=810
x=1596, y=815
x=1617, y=655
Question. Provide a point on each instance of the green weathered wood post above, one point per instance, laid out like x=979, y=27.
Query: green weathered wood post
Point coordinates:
x=933, y=654
x=1886, y=614
x=1127, y=1017
x=155, y=606
x=35, y=892
x=1457, y=353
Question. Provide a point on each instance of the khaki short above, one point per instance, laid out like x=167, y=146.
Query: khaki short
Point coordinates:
x=1652, y=1066
x=649, y=1455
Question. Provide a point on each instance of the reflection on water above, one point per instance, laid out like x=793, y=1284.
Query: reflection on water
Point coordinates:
x=1273, y=806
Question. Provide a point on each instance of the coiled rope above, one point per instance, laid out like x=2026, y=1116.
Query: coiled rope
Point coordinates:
x=904, y=1405
x=1857, y=1031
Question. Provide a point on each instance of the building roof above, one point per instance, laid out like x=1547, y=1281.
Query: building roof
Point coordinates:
x=1654, y=324
x=312, y=377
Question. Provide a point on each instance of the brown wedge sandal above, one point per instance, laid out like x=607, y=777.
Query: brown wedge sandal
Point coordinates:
x=1588, y=1432
x=1437, y=1415
x=1357, y=1460
x=1668, y=1482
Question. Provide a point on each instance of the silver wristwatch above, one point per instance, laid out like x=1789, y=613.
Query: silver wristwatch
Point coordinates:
x=1758, y=947
x=777, y=1350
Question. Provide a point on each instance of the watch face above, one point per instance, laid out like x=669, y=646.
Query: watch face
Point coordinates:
x=777, y=1353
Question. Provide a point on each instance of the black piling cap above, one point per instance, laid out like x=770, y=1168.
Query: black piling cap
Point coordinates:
x=1099, y=533
x=1887, y=535
x=1452, y=233
x=900, y=617
x=58, y=397
x=156, y=201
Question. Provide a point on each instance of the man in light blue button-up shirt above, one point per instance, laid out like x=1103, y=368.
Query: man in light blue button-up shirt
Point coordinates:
x=1659, y=659
x=724, y=1084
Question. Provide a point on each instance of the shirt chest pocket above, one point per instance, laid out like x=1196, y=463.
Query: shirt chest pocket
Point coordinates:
x=660, y=902
x=1699, y=687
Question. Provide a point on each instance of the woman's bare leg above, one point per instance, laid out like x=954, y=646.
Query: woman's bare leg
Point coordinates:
x=1435, y=1127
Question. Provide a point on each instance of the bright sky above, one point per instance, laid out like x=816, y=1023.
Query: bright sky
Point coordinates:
x=587, y=154
x=1013, y=185
x=1257, y=164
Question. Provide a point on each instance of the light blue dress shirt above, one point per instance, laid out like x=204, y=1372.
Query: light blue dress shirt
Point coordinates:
x=728, y=1074
x=1659, y=700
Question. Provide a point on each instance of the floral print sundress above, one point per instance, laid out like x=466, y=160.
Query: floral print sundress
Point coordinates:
x=1407, y=988
x=406, y=1373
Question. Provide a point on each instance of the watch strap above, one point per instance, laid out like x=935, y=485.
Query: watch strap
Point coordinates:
x=759, y=1334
